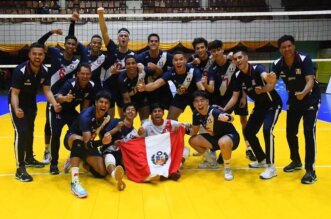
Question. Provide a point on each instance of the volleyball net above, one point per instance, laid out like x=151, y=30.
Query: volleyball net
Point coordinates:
x=257, y=32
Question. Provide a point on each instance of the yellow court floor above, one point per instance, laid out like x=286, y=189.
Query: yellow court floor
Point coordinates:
x=197, y=194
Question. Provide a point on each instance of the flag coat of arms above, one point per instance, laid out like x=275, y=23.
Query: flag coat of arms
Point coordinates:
x=153, y=155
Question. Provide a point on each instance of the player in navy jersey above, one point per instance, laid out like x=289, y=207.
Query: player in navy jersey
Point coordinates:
x=219, y=82
x=259, y=86
x=81, y=140
x=186, y=79
x=120, y=130
x=96, y=59
x=221, y=134
x=129, y=80
x=63, y=67
x=75, y=91
x=158, y=62
x=27, y=78
x=304, y=96
x=201, y=58
x=116, y=61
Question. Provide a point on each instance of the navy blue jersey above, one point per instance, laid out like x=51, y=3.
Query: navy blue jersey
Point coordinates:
x=204, y=64
x=180, y=80
x=28, y=83
x=211, y=123
x=61, y=69
x=114, y=56
x=248, y=82
x=163, y=60
x=79, y=93
x=86, y=122
x=294, y=79
x=130, y=85
x=223, y=77
x=123, y=134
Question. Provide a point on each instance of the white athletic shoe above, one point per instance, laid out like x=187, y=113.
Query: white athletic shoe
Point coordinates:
x=269, y=172
x=228, y=174
x=47, y=157
x=78, y=190
x=208, y=165
x=256, y=164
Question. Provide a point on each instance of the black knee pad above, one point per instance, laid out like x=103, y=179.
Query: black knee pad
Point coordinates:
x=78, y=149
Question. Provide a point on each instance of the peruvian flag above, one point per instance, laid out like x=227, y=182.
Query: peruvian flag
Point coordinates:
x=153, y=155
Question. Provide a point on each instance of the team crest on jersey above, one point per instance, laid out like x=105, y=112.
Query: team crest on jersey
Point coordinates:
x=298, y=71
x=72, y=67
x=160, y=158
x=42, y=80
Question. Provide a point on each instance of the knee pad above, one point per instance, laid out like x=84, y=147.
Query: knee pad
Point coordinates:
x=109, y=160
x=78, y=149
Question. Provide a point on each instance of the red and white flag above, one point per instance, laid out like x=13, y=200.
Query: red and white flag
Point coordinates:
x=153, y=155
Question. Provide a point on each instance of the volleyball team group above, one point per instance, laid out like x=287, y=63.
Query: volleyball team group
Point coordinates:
x=213, y=84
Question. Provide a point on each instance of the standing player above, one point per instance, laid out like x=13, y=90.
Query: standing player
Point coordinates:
x=259, y=86
x=76, y=91
x=158, y=62
x=186, y=79
x=116, y=56
x=63, y=67
x=221, y=77
x=221, y=134
x=201, y=58
x=120, y=130
x=27, y=78
x=81, y=140
x=128, y=82
x=304, y=96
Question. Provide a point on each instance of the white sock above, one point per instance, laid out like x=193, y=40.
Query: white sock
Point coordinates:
x=74, y=174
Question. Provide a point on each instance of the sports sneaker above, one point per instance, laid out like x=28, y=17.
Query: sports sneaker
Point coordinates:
x=208, y=165
x=294, y=165
x=269, y=172
x=250, y=155
x=47, y=157
x=118, y=176
x=54, y=170
x=210, y=156
x=257, y=164
x=22, y=175
x=78, y=190
x=309, y=178
x=174, y=176
x=67, y=166
x=228, y=174
x=32, y=162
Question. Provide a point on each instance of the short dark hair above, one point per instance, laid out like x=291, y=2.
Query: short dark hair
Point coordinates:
x=84, y=65
x=37, y=45
x=153, y=35
x=243, y=51
x=199, y=40
x=96, y=36
x=70, y=37
x=200, y=93
x=129, y=57
x=156, y=106
x=178, y=52
x=285, y=38
x=126, y=105
x=215, y=44
x=103, y=94
x=123, y=29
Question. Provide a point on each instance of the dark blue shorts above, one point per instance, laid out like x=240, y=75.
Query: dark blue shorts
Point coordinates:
x=214, y=140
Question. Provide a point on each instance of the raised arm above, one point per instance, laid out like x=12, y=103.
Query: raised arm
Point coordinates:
x=103, y=26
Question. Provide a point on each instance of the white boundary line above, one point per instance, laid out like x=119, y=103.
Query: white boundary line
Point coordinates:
x=183, y=170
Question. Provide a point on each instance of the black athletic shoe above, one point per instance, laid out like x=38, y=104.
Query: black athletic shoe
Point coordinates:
x=22, y=175
x=309, y=177
x=294, y=165
x=54, y=170
x=250, y=155
x=31, y=162
x=220, y=159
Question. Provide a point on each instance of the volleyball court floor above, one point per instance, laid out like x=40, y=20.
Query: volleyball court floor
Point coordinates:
x=197, y=194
